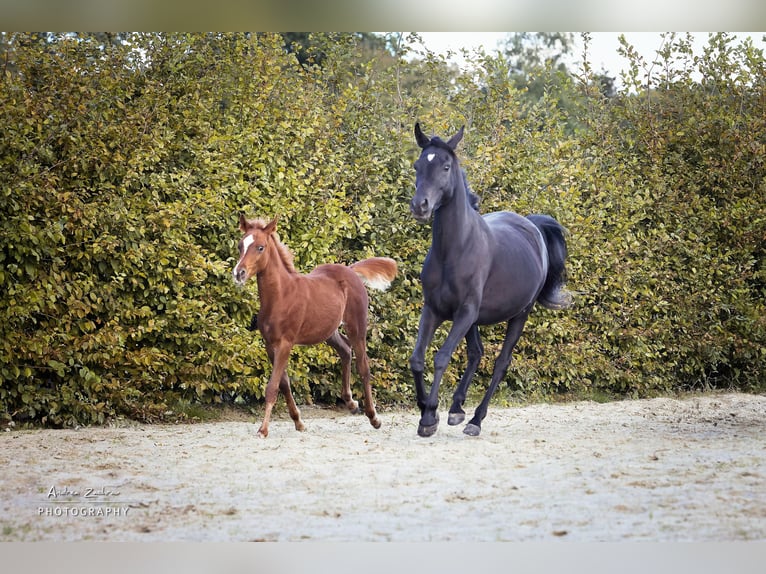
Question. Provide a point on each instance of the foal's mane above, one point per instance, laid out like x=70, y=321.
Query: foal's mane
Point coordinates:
x=284, y=252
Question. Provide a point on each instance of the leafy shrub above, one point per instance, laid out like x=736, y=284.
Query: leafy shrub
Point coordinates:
x=124, y=165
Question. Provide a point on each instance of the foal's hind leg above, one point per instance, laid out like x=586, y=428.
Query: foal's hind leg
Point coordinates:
x=341, y=345
x=475, y=351
x=363, y=368
x=512, y=334
x=355, y=319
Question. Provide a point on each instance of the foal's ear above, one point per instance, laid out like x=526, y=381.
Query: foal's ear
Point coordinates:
x=454, y=140
x=420, y=137
x=271, y=226
x=242, y=222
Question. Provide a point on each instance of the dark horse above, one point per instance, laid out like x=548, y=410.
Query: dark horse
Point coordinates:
x=299, y=309
x=480, y=270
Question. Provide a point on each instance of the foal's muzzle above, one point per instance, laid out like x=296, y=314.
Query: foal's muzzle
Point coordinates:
x=240, y=276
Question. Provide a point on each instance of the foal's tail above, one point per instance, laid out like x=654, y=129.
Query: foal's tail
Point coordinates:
x=376, y=272
x=553, y=295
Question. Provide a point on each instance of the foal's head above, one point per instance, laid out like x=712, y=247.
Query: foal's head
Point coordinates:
x=436, y=171
x=253, y=248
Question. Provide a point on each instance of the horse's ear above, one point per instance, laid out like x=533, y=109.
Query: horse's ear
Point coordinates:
x=454, y=140
x=271, y=226
x=420, y=137
x=242, y=222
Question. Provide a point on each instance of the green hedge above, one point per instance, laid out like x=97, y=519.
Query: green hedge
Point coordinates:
x=123, y=167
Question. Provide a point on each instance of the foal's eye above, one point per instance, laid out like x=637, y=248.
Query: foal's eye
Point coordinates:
x=260, y=248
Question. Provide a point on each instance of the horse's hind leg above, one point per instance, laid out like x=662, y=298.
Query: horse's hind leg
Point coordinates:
x=512, y=334
x=475, y=351
x=341, y=345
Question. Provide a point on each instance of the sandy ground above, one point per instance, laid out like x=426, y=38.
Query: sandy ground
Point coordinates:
x=660, y=469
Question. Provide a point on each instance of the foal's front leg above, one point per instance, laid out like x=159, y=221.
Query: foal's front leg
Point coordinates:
x=292, y=408
x=279, y=355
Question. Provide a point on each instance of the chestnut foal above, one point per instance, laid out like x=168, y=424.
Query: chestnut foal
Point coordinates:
x=299, y=309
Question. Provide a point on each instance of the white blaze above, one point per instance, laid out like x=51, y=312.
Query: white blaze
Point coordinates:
x=246, y=242
x=431, y=156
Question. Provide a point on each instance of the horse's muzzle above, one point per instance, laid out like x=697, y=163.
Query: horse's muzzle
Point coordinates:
x=421, y=210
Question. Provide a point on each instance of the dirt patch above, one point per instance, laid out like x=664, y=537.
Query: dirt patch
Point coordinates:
x=659, y=469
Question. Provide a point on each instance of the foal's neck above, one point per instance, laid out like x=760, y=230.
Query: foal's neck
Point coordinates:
x=274, y=278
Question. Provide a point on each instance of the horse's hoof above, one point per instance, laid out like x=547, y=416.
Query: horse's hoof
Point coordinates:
x=299, y=426
x=262, y=434
x=455, y=419
x=428, y=430
x=375, y=422
x=472, y=429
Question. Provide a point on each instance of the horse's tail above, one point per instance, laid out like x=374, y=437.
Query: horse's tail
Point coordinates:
x=376, y=272
x=553, y=295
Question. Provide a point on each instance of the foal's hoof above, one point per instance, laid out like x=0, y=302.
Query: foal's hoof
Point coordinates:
x=353, y=408
x=472, y=430
x=375, y=422
x=428, y=430
x=455, y=419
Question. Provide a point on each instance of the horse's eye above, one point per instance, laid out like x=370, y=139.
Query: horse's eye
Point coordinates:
x=260, y=249
x=446, y=167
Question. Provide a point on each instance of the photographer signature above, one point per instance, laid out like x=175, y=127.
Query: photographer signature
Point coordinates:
x=88, y=493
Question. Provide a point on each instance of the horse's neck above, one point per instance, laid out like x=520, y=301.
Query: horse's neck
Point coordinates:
x=453, y=222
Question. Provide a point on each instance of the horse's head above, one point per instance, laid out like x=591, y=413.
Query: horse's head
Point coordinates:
x=435, y=171
x=253, y=252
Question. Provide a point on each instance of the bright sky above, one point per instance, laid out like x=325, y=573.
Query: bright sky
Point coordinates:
x=603, y=48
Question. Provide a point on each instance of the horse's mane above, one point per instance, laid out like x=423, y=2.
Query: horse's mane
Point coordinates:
x=284, y=252
x=473, y=199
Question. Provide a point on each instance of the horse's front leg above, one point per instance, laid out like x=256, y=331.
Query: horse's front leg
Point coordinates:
x=429, y=322
x=279, y=355
x=429, y=421
x=475, y=351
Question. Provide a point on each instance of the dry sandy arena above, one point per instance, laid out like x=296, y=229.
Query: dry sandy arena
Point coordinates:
x=691, y=469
